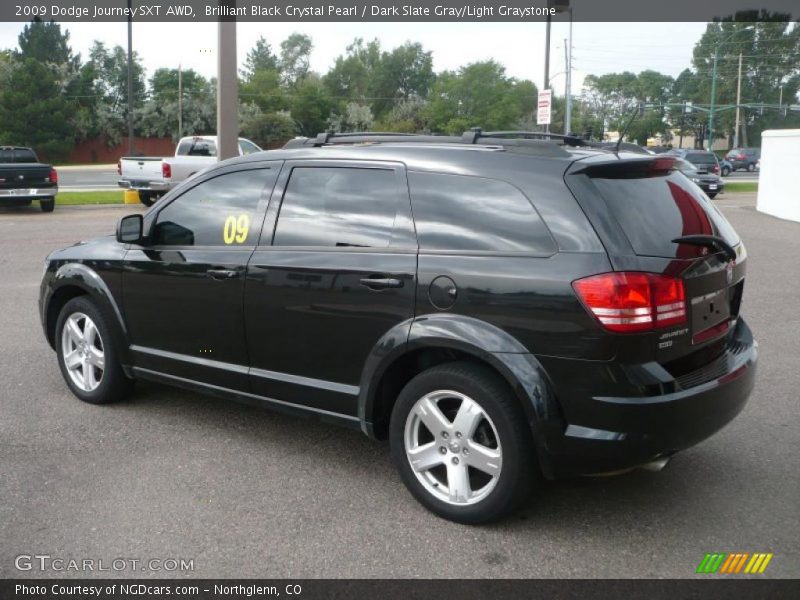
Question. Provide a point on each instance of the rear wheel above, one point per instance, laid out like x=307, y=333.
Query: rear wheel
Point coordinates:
x=712, y=195
x=47, y=205
x=146, y=198
x=725, y=171
x=751, y=167
x=86, y=354
x=461, y=443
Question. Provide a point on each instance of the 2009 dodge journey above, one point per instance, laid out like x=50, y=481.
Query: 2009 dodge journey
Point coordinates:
x=501, y=308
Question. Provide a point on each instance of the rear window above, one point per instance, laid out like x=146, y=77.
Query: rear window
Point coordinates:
x=17, y=155
x=197, y=147
x=701, y=159
x=652, y=211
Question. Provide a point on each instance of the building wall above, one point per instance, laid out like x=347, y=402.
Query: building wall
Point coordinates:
x=97, y=150
x=779, y=178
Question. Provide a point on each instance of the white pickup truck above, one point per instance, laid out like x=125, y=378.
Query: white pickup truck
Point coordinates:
x=153, y=177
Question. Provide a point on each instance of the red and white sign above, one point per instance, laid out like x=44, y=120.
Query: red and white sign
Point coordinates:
x=543, y=112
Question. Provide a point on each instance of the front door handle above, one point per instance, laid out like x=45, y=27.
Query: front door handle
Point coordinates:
x=379, y=283
x=220, y=274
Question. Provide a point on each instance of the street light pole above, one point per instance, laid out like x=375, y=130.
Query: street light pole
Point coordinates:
x=568, y=98
x=547, y=59
x=130, y=79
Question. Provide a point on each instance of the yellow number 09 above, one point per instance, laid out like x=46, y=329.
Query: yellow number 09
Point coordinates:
x=236, y=229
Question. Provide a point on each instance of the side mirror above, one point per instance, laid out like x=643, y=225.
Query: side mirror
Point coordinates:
x=129, y=229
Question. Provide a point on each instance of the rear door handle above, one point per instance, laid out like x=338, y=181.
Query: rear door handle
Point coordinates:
x=220, y=274
x=378, y=283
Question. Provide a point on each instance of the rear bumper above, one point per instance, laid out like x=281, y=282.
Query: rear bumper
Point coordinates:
x=28, y=193
x=145, y=186
x=623, y=432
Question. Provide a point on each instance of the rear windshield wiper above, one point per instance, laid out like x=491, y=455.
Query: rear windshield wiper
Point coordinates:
x=710, y=241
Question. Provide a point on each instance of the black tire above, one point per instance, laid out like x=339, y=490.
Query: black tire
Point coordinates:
x=712, y=195
x=114, y=385
x=519, y=468
x=725, y=171
x=47, y=205
x=146, y=198
x=751, y=167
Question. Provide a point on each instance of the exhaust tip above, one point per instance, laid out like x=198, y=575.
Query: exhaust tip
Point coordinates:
x=656, y=465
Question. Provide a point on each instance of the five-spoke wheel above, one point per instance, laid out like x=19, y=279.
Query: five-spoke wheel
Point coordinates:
x=82, y=351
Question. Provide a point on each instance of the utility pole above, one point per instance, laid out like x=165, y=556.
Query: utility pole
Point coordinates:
x=738, y=102
x=180, y=101
x=713, y=100
x=568, y=98
x=547, y=60
x=130, y=79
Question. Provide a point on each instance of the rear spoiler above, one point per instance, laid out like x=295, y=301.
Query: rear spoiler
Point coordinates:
x=629, y=168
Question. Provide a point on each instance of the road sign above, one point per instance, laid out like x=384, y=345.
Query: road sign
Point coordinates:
x=543, y=111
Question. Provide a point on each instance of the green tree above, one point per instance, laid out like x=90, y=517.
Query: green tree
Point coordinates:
x=159, y=114
x=405, y=72
x=769, y=44
x=34, y=111
x=44, y=41
x=259, y=58
x=295, y=59
x=311, y=107
x=478, y=95
x=268, y=130
x=353, y=74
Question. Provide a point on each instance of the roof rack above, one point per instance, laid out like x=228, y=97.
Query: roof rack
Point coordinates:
x=532, y=142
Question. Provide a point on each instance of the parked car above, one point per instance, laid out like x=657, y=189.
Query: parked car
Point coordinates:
x=700, y=158
x=152, y=176
x=708, y=182
x=743, y=158
x=24, y=179
x=499, y=308
x=726, y=168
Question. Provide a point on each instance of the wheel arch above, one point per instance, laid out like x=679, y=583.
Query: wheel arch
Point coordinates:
x=76, y=279
x=436, y=339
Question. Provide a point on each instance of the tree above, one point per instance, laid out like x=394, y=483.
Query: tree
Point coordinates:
x=259, y=58
x=45, y=42
x=769, y=46
x=268, y=130
x=311, y=107
x=405, y=72
x=34, y=111
x=159, y=115
x=478, y=95
x=352, y=75
x=295, y=59
x=356, y=117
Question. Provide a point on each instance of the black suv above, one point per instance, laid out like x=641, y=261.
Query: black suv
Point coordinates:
x=498, y=308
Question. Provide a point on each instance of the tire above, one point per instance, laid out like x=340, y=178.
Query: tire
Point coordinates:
x=95, y=352
x=751, y=167
x=712, y=195
x=47, y=205
x=726, y=171
x=146, y=198
x=500, y=441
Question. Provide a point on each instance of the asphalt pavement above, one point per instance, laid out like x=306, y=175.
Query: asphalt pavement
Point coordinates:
x=244, y=492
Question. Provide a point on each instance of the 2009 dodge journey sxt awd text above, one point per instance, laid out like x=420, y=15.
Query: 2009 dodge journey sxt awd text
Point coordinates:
x=498, y=307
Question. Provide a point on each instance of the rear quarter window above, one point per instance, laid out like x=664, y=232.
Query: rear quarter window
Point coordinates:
x=464, y=213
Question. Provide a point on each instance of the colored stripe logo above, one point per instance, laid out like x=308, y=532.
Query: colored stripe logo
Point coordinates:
x=734, y=563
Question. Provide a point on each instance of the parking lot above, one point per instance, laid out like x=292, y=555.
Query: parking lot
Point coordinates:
x=245, y=492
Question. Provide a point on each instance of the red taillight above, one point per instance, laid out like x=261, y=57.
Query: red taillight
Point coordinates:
x=53, y=176
x=716, y=169
x=628, y=302
x=119, y=167
x=166, y=170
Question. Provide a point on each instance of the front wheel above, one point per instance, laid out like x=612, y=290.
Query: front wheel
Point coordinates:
x=461, y=443
x=751, y=167
x=86, y=354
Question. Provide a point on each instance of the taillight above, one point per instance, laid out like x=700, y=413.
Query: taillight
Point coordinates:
x=119, y=168
x=166, y=170
x=629, y=302
x=716, y=169
x=53, y=176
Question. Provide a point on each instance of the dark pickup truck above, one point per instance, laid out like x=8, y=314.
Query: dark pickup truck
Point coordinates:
x=24, y=179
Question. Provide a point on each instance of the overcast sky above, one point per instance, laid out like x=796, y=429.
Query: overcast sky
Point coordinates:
x=597, y=47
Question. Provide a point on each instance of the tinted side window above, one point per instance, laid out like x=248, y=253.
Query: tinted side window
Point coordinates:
x=456, y=212
x=224, y=211
x=338, y=206
x=248, y=147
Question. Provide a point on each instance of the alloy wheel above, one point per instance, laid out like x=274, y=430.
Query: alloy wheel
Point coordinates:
x=82, y=351
x=453, y=447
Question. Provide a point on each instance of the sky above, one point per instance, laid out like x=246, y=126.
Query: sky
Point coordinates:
x=598, y=48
